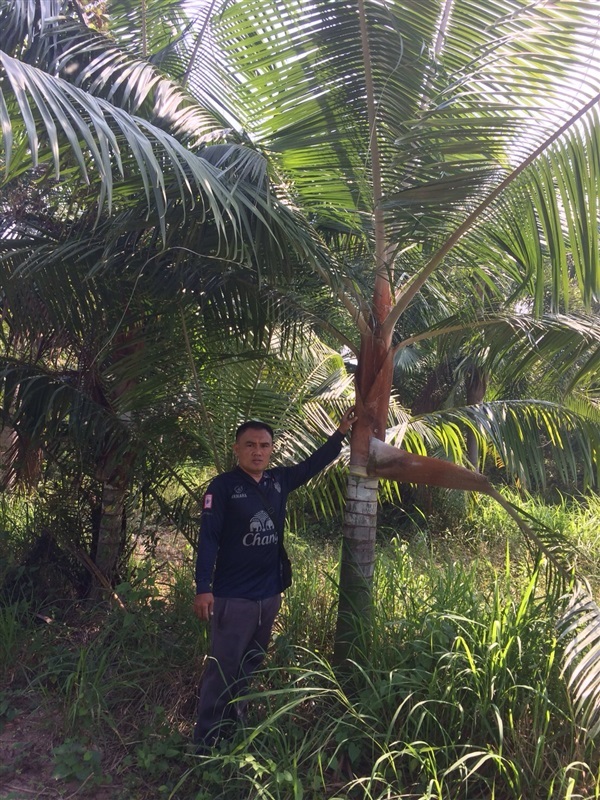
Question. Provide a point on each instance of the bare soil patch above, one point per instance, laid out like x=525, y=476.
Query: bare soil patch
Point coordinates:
x=28, y=763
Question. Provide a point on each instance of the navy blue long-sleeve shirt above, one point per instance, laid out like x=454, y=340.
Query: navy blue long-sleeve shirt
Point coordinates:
x=238, y=548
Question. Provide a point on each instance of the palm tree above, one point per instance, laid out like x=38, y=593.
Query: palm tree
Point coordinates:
x=421, y=137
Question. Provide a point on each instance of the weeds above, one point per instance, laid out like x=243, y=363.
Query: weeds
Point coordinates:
x=74, y=761
x=458, y=696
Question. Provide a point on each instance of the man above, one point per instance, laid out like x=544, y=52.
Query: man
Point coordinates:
x=241, y=567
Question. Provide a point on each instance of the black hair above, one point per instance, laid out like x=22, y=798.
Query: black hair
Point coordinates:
x=254, y=424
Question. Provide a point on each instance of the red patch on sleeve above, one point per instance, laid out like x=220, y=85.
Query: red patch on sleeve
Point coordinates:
x=208, y=501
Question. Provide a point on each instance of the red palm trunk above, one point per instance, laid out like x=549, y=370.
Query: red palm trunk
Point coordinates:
x=373, y=388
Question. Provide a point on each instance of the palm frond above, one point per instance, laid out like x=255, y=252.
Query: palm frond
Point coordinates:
x=52, y=110
x=448, y=114
x=558, y=197
x=526, y=436
x=148, y=28
x=557, y=346
x=579, y=628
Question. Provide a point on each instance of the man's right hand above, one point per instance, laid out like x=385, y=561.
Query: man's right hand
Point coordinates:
x=203, y=606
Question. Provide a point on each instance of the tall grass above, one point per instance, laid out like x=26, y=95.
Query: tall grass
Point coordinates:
x=457, y=696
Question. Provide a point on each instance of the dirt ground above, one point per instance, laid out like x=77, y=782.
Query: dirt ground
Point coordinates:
x=27, y=762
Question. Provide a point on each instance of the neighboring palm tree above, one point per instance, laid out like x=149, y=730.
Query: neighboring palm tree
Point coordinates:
x=88, y=364
x=145, y=204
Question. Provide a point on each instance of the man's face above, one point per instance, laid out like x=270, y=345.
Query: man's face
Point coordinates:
x=253, y=450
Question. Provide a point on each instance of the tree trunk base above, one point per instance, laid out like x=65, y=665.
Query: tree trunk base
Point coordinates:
x=356, y=568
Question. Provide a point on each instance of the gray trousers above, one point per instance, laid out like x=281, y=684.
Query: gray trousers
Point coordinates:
x=240, y=634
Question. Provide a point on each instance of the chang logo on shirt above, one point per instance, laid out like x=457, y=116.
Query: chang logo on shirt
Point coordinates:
x=238, y=493
x=262, y=531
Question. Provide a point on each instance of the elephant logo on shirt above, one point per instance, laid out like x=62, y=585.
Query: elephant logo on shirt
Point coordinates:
x=261, y=522
x=262, y=530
